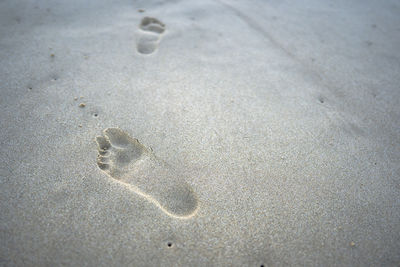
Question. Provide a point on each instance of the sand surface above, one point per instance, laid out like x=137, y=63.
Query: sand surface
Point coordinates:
x=268, y=133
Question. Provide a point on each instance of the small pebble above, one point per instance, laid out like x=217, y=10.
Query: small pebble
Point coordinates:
x=82, y=105
x=75, y=98
x=141, y=10
x=80, y=126
x=52, y=55
x=352, y=244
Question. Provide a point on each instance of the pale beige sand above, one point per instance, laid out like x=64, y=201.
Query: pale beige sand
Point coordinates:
x=282, y=117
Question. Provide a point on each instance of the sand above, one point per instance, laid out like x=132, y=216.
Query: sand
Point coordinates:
x=262, y=133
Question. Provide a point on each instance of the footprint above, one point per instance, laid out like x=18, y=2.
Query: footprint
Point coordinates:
x=135, y=166
x=149, y=36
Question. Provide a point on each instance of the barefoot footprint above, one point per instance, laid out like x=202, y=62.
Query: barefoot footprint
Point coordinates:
x=150, y=35
x=133, y=165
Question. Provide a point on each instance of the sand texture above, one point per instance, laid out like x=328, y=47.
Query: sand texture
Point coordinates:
x=199, y=133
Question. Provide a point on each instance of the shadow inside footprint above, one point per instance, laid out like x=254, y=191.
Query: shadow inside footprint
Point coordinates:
x=147, y=43
x=132, y=164
x=152, y=25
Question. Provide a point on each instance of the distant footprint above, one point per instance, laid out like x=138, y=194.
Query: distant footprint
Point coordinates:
x=135, y=166
x=150, y=35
